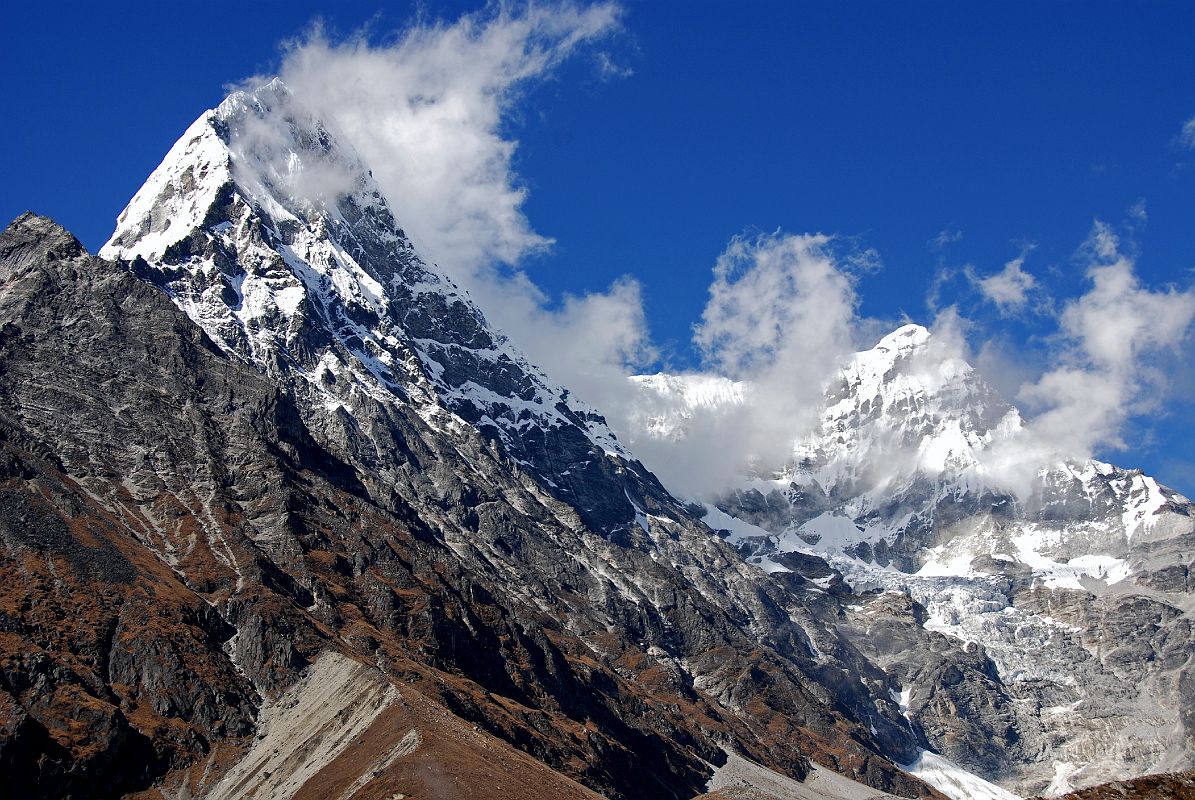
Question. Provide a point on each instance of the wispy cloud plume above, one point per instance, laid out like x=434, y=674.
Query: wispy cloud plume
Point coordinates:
x=428, y=112
x=1186, y=136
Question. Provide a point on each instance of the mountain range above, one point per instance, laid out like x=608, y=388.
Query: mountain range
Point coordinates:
x=283, y=515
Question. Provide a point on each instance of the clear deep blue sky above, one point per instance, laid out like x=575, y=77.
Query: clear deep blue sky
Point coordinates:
x=1008, y=123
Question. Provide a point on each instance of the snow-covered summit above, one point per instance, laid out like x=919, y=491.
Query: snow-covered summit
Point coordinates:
x=274, y=237
x=902, y=452
x=904, y=339
x=694, y=390
x=898, y=457
x=668, y=403
x=911, y=403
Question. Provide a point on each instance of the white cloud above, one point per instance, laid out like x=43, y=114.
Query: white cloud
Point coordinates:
x=1111, y=339
x=776, y=301
x=1009, y=288
x=782, y=315
x=1119, y=321
x=945, y=237
x=1187, y=136
x=781, y=318
x=1138, y=212
x=1005, y=365
x=428, y=113
x=262, y=150
x=589, y=344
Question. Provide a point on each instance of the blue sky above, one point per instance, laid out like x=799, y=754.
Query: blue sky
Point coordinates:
x=1009, y=127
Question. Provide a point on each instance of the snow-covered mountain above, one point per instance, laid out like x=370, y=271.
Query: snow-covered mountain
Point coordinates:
x=267, y=232
x=296, y=519
x=310, y=483
x=1077, y=593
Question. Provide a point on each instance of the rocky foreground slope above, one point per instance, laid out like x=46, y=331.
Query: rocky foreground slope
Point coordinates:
x=279, y=512
x=1041, y=639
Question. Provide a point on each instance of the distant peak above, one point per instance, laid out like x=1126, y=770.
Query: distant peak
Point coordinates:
x=43, y=227
x=905, y=338
x=694, y=389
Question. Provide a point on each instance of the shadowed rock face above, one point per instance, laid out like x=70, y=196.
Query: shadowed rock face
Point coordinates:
x=183, y=533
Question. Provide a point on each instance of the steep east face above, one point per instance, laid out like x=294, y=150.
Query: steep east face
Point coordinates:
x=1040, y=639
x=285, y=445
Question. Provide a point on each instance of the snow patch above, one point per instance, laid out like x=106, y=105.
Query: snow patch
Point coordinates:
x=765, y=784
x=953, y=781
x=832, y=532
x=718, y=519
x=1061, y=783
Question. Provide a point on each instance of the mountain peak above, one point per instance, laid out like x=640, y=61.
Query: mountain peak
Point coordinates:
x=906, y=338
x=908, y=356
x=176, y=197
x=265, y=96
x=263, y=144
x=274, y=237
x=31, y=237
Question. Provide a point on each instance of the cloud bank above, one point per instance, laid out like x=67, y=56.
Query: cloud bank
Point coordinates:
x=782, y=319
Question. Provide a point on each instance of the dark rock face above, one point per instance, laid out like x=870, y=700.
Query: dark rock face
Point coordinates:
x=953, y=690
x=184, y=532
